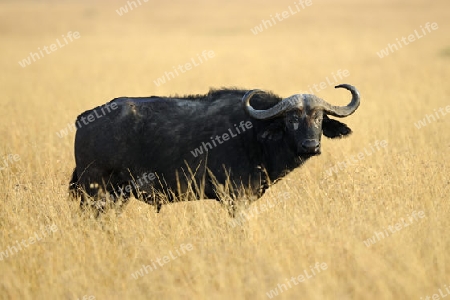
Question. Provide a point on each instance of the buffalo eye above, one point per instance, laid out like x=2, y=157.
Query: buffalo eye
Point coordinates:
x=317, y=118
x=293, y=120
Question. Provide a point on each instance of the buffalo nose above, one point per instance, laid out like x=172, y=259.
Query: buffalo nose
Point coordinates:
x=311, y=145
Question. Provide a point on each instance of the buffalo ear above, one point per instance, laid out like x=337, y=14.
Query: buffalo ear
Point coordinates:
x=273, y=132
x=334, y=129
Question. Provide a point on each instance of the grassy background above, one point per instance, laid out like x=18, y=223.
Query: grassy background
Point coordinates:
x=318, y=219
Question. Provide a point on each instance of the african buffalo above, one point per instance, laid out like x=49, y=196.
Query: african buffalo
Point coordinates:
x=213, y=146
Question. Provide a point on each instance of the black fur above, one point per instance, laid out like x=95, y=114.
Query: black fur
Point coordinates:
x=158, y=134
x=334, y=129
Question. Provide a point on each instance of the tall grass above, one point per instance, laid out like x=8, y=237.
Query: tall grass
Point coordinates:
x=317, y=218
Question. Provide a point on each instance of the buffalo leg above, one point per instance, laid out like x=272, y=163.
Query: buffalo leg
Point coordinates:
x=152, y=199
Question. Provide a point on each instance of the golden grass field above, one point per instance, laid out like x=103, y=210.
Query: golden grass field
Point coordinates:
x=318, y=218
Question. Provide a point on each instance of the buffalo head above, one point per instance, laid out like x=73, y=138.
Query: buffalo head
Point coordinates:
x=304, y=117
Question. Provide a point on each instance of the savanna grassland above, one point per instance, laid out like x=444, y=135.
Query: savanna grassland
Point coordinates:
x=396, y=195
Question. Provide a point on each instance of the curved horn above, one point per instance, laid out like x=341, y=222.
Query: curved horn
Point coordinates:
x=343, y=111
x=274, y=111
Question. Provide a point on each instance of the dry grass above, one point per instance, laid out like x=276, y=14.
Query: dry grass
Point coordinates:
x=322, y=219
